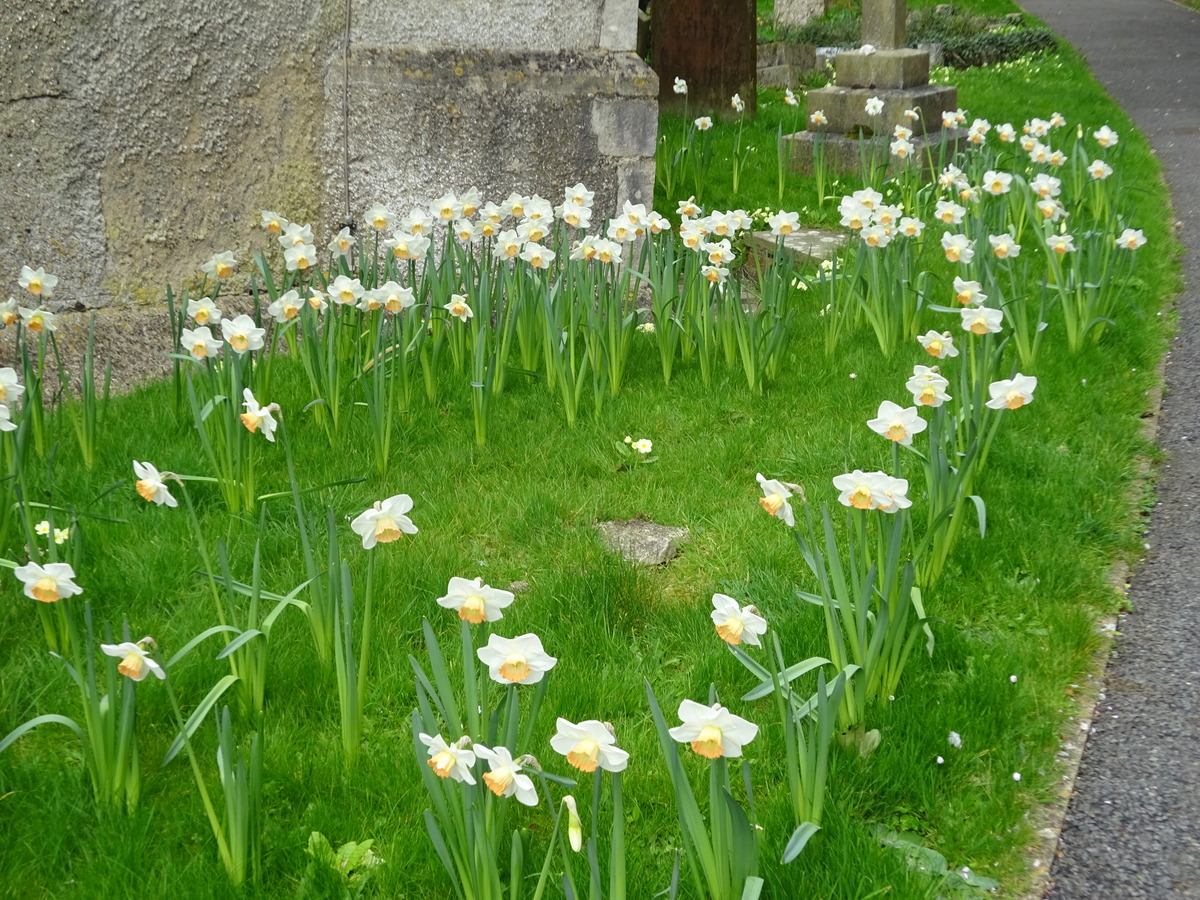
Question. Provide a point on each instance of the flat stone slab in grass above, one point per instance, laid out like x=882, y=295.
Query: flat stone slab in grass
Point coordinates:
x=806, y=244
x=642, y=542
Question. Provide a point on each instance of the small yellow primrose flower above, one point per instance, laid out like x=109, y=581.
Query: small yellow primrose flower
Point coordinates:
x=589, y=745
x=713, y=731
x=151, y=485
x=62, y=535
x=48, y=584
x=385, y=521
x=736, y=623
x=474, y=601
x=519, y=660
x=134, y=659
x=643, y=446
x=450, y=760
x=42, y=528
x=37, y=282
x=775, y=499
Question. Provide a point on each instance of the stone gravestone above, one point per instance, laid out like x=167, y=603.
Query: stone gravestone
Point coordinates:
x=710, y=44
x=888, y=70
x=794, y=13
x=137, y=139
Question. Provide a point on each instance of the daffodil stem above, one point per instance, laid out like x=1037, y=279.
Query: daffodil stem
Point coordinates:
x=366, y=634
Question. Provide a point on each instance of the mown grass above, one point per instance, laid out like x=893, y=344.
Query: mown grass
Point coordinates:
x=1062, y=505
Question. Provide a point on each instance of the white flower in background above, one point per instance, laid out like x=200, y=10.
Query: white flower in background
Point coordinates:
x=465, y=231
x=868, y=197
x=1099, y=169
x=294, y=234
x=949, y=212
x=37, y=282
x=997, y=183
x=866, y=50
x=894, y=492
x=450, y=760
x=643, y=446
x=242, y=334
x=887, y=215
x=135, y=662
x=912, y=114
x=469, y=201
x=1061, y=243
x=955, y=740
x=371, y=301
x=1006, y=133
x=345, y=290
x=490, y=212
x=818, y=117
x=1131, y=239
x=928, y=386
x=418, y=222
x=713, y=731
x=657, y=224
x=901, y=148
x=646, y=328
x=508, y=243
x=10, y=312
x=151, y=485
x=589, y=745
x=395, y=298
x=1012, y=393
x=1004, y=246
x=539, y=208
x=606, y=251
x=273, y=222
x=789, y=98
x=1051, y=210
x=1045, y=186
x=950, y=175
x=537, y=256
x=703, y=123
x=688, y=208
x=505, y=778
x=474, y=601
x=406, y=245
x=11, y=388
x=901, y=133
x=575, y=215
x=854, y=214
x=911, y=227
x=317, y=300
x=1057, y=158
x=446, y=207
x=938, y=344
x=48, y=584
x=948, y=119
x=1040, y=153
x=691, y=234
x=1106, y=137
x=876, y=236
x=300, y=257
x=783, y=223
x=385, y=521
x=378, y=217
x=199, y=342
x=981, y=320
x=958, y=248
x=286, y=307
x=1057, y=120
x=459, y=308
x=38, y=320
x=897, y=423
x=256, y=416
x=715, y=274
x=775, y=499
x=519, y=660
x=968, y=293
x=738, y=104
x=719, y=252
x=960, y=116
x=514, y=205
x=736, y=623
x=531, y=231
x=680, y=86
x=220, y=265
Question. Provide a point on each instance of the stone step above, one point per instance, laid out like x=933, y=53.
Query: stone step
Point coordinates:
x=805, y=244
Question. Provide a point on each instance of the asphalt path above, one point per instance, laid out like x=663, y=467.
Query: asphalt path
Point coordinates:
x=1133, y=827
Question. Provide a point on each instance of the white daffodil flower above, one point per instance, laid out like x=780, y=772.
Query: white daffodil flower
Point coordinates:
x=958, y=248
x=736, y=623
x=589, y=745
x=38, y=320
x=874, y=106
x=939, y=345
x=10, y=388
x=385, y=521
x=199, y=342
x=242, y=334
x=287, y=307
x=1012, y=393
x=505, y=778
x=300, y=257
x=6, y=422
x=775, y=499
x=135, y=661
x=897, y=423
x=458, y=308
x=378, y=217
x=295, y=234
x=273, y=222
x=1131, y=239
x=474, y=601
x=680, y=86
x=48, y=584
x=256, y=416
x=450, y=760
x=396, y=298
x=783, y=223
x=713, y=731
x=968, y=293
x=981, y=320
x=519, y=660
x=37, y=282
x=1106, y=137
x=928, y=386
x=202, y=311
x=346, y=291
x=220, y=265
x=151, y=485
x=1004, y=246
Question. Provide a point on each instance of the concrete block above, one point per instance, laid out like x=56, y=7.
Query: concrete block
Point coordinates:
x=845, y=108
x=625, y=127
x=883, y=23
x=882, y=69
x=842, y=154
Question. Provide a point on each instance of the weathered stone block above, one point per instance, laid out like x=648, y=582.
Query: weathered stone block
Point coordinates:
x=786, y=53
x=641, y=542
x=625, y=127
x=846, y=108
x=794, y=13
x=803, y=245
x=844, y=154
x=883, y=23
x=882, y=69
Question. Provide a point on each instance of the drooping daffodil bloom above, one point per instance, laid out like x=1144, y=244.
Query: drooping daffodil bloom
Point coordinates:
x=37, y=282
x=199, y=342
x=256, y=416
x=505, y=778
x=135, y=661
x=10, y=312
x=589, y=745
x=519, y=660
x=1012, y=393
x=385, y=521
x=775, y=499
x=897, y=423
x=736, y=623
x=713, y=731
x=48, y=584
x=151, y=485
x=938, y=344
x=450, y=760
x=474, y=601
x=242, y=334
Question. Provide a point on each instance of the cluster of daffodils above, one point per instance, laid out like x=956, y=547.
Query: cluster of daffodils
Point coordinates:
x=40, y=286
x=712, y=236
x=877, y=222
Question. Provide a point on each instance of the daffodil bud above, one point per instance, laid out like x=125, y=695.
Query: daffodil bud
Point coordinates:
x=574, y=824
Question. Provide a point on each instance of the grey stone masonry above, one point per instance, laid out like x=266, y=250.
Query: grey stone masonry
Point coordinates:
x=882, y=69
x=794, y=13
x=883, y=23
x=846, y=109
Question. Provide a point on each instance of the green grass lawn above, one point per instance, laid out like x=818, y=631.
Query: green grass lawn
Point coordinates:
x=1063, y=502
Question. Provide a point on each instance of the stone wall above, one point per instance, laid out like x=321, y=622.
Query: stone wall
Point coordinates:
x=136, y=139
